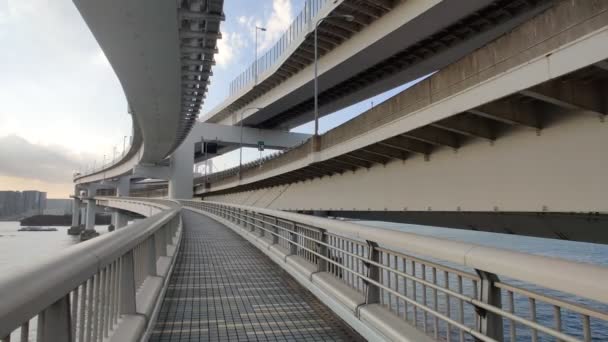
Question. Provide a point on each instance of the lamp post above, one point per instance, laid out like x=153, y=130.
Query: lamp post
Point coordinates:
x=346, y=17
x=124, y=144
x=255, y=60
x=241, y=140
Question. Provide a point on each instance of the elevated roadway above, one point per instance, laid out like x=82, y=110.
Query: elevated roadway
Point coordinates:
x=162, y=53
x=508, y=139
x=389, y=43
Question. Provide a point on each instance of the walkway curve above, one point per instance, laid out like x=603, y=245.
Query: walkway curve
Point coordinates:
x=224, y=289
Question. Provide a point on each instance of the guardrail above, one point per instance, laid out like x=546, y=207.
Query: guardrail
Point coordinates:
x=300, y=26
x=107, y=288
x=450, y=291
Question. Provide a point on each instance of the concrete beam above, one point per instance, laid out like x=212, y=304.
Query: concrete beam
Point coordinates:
x=511, y=112
x=181, y=177
x=467, y=125
x=273, y=139
x=434, y=136
x=572, y=94
x=151, y=171
x=405, y=144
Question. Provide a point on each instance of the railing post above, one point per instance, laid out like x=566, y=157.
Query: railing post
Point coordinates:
x=372, y=293
x=57, y=324
x=263, y=225
x=323, y=264
x=162, y=240
x=490, y=324
x=152, y=254
x=127, y=285
x=293, y=248
x=275, y=229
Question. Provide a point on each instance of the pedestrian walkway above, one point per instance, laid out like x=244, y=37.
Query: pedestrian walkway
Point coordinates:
x=225, y=289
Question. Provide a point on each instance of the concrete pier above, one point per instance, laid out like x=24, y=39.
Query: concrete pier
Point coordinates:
x=89, y=231
x=75, y=228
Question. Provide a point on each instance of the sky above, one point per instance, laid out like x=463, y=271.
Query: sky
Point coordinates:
x=62, y=108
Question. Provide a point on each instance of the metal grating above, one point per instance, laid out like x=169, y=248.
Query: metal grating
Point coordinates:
x=225, y=289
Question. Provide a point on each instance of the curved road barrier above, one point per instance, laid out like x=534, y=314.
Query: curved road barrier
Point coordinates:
x=108, y=288
x=388, y=282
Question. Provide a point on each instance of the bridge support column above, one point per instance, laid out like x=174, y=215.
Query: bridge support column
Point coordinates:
x=120, y=219
x=75, y=228
x=123, y=189
x=181, y=167
x=89, y=231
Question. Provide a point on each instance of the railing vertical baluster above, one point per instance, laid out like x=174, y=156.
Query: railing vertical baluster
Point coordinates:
x=97, y=303
x=163, y=242
x=448, y=310
x=489, y=323
x=405, y=291
x=112, y=302
x=40, y=327
x=275, y=230
x=435, y=321
x=359, y=268
x=512, y=327
x=414, y=287
x=398, y=301
x=424, y=314
x=101, y=310
x=293, y=248
x=381, y=278
x=324, y=251
x=152, y=255
x=586, y=328
x=460, y=308
x=335, y=242
x=557, y=315
x=74, y=311
x=25, y=331
x=127, y=285
x=372, y=292
x=85, y=318
x=108, y=297
x=90, y=307
x=532, y=305
x=119, y=296
x=56, y=321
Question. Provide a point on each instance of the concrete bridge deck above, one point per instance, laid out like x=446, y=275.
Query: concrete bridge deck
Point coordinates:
x=225, y=289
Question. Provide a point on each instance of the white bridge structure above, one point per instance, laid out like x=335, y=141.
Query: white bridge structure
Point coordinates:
x=507, y=134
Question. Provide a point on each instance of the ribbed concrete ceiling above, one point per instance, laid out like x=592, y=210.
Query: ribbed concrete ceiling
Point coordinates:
x=162, y=52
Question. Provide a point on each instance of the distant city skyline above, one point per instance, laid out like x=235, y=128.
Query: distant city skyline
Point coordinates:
x=26, y=203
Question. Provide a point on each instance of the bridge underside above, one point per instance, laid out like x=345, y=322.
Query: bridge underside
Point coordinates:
x=511, y=139
x=225, y=289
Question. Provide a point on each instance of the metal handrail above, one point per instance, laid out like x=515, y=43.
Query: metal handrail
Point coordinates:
x=298, y=29
x=113, y=265
x=407, y=272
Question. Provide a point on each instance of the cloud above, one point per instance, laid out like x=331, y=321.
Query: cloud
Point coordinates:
x=276, y=24
x=22, y=159
x=228, y=47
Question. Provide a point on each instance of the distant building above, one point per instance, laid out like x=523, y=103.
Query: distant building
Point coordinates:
x=26, y=203
x=58, y=207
